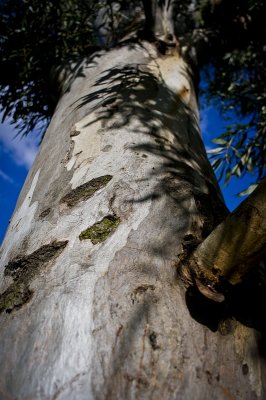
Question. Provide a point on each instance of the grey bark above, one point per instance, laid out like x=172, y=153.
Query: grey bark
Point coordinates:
x=91, y=303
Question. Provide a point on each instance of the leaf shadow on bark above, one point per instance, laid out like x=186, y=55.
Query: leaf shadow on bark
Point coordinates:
x=244, y=302
x=126, y=92
x=63, y=76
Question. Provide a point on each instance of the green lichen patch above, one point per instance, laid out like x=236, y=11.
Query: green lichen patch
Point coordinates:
x=23, y=270
x=99, y=232
x=14, y=297
x=85, y=191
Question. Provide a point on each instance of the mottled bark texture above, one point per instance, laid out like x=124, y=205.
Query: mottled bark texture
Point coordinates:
x=109, y=318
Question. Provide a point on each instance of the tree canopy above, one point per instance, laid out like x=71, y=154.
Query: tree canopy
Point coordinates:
x=41, y=40
x=236, y=84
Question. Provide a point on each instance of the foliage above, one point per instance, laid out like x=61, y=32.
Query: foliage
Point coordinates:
x=242, y=148
x=38, y=38
x=236, y=83
x=35, y=36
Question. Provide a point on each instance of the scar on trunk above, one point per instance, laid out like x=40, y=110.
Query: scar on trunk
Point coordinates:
x=85, y=191
x=23, y=270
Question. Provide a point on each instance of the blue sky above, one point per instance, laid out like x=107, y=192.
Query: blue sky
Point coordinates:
x=212, y=124
x=17, y=155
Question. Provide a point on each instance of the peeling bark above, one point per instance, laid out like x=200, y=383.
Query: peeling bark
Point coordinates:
x=23, y=270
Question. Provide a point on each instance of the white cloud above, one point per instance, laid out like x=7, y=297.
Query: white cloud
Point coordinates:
x=6, y=177
x=21, y=149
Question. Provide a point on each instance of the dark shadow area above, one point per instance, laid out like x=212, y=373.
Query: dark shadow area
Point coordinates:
x=244, y=302
x=62, y=76
x=204, y=310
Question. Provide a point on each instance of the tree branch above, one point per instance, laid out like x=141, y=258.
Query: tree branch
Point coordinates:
x=159, y=20
x=233, y=247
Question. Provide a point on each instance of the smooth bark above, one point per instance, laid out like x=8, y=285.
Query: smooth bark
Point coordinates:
x=91, y=303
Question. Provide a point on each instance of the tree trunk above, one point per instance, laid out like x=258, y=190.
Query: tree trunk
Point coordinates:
x=92, y=306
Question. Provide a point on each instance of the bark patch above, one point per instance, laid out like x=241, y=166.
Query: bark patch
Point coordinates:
x=44, y=213
x=245, y=369
x=23, y=270
x=99, y=232
x=144, y=293
x=85, y=191
x=143, y=288
x=226, y=327
x=153, y=341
